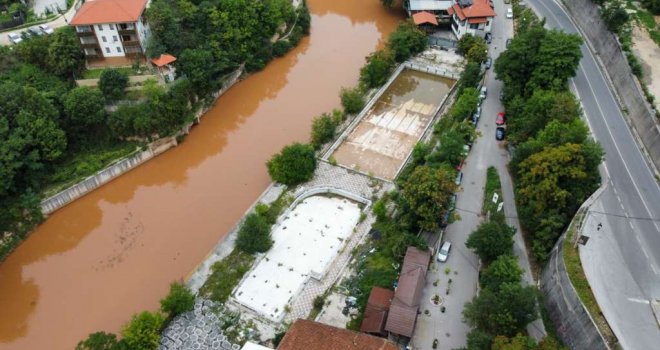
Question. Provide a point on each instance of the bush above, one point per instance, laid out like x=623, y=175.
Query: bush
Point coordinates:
x=143, y=332
x=225, y=275
x=352, y=100
x=179, y=300
x=113, y=83
x=614, y=16
x=491, y=239
x=378, y=68
x=323, y=130
x=281, y=47
x=254, y=234
x=100, y=341
x=319, y=301
x=293, y=165
x=407, y=40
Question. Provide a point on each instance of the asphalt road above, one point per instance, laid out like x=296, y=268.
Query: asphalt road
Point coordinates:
x=629, y=208
x=59, y=21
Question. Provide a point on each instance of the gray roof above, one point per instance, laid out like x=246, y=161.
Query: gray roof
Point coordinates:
x=429, y=5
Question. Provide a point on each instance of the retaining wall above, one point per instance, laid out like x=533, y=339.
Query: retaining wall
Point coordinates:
x=118, y=168
x=574, y=325
x=607, y=49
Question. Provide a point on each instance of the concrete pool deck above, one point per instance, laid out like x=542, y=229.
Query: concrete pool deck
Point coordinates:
x=392, y=123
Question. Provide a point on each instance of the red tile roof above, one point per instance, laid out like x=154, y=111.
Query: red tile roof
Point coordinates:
x=479, y=8
x=375, y=313
x=477, y=20
x=163, y=60
x=109, y=11
x=310, y=335
x=424, y=17
x=403, y=311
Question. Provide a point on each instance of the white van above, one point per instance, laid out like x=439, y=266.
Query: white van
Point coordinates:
x=443, y=254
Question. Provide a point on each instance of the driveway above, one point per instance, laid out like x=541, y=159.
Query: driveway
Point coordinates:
x=59, y=21
x=448, y=327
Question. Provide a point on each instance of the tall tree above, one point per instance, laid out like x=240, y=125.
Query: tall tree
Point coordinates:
x=407, y=40
x=557, y=61
x=427, y=191
x=491, y=239
x=85, y=110
x=293, y=165
x=64, y=55
x=504, y=269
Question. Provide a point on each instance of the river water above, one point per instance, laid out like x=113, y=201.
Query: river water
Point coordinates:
x=114, y=252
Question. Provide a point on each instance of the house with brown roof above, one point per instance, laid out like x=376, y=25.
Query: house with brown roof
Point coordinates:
x=112, y=28
x=309, y=335
x=375, y=314
x=402, y=316
x=471, y=17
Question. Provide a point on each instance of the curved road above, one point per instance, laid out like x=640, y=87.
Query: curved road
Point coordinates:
x=622, y=258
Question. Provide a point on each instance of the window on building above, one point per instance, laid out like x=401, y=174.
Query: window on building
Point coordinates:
x=474, y=26
x=114, y=38
x=107, y=50
x=104, y=39
x=112, y=26
x=118, y=49
x=100, y=26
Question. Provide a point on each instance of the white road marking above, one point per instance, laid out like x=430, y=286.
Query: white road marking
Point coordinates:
x=641, y=301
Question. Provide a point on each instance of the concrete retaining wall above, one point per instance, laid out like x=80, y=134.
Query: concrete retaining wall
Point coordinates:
x=574, y=325
x=104, y=176
x=629, y=93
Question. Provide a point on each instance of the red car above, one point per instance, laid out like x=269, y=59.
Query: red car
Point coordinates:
x=500, y=119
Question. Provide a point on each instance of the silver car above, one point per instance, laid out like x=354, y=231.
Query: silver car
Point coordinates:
x=14, y=38
x=46, y=29
x=443, y=254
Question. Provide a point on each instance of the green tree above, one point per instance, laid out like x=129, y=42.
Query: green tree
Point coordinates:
x=505, y=312
x=450, y=150
x=377, y=70
x=323, y=130
x=491, y=239
x=254, y=235
x=35, y=51
x=478, y=340
x=519, y=342
x=470, y=77
x=198, y=65
x=84, y=108
x=478, y=52
x=113, y=83
x=352, y=100
x=64, y=55
x=407, y=40
x=516, y=64
x=143, y=332
x=465, y=105
x=558, y=57
x=100, y=341
x=427, y=192
x=615, y=16
x=179, y=300
x=465, y=43
x=542, y=107
x=504, y=269
x=293, y=165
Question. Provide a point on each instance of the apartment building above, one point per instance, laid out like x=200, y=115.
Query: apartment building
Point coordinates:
x=112, y=28
x=471, y=17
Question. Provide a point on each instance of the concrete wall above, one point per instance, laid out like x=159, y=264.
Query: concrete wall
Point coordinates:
x=629, y=93
x=157, y=147
x=574, y=325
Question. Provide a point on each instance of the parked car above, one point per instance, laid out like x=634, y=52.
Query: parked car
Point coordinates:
x=488, y=63
x=500, y=120
x=34, y=32
x=452, y=201
x=466, y=149
x=445, y=219
x=443, y=254
x=475, y=119
x=508, y=42
x=499, y=133
x=46, y=29
x=509, y=13
x=14, y=38
x=488, y=37
x=460, y=165
x=483, y=92
x=459, y=178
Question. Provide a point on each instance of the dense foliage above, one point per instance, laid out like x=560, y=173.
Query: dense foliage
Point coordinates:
x=101, y=341
x=113, y=83
x=254, y=234
x=407, y=40
x=555, y=163
x=427, y=193
x=143, y=331
x=179, y=300
x=377, y=70
x=491, y=239
x=323, y=128
x=293, y=165
x=352, y=99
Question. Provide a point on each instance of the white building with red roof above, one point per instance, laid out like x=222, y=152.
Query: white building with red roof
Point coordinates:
x=112, y=28
x=471, y=17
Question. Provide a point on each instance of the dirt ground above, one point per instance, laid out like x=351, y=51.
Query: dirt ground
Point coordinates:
x=649, y=53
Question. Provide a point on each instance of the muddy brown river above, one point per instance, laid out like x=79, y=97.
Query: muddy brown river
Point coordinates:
x=114, y=252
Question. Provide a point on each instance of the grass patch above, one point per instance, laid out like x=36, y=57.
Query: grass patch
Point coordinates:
x=493, y=185
x=580, y=283
x=77, y=166
x=96, y=73
x=655, y=35
x=646, y=19
x=226, y=275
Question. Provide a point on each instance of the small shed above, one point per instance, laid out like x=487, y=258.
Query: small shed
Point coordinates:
x=165, y=67
x=425, y=21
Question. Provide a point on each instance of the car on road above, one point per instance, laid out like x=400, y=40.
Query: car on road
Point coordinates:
x=443, y=254
x=500, y=120
x=14, y=38
x=499, y=133
x=483, y=92
x=445, y=219
x=488, y=37
x=475, y=119
x=459, y=178
x=452, y=201
x=509, y=13
x=488, y=63
x=34, y=32
x=46, y=29
x=508, y=42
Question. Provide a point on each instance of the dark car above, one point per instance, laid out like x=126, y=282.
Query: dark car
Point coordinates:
x=488, y=63
x=34, y=32
x=508, y=42
x=499, y=134
x=500, y=120
x=488, y=37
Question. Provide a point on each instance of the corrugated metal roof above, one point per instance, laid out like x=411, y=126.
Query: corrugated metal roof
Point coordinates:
x=429, y=5
x=376, y=311
x=401, y=319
